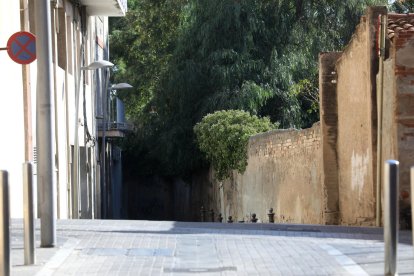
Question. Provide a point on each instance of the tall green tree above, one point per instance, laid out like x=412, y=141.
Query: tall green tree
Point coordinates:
x=142, y=44
x=402, y=6
x=195, y=57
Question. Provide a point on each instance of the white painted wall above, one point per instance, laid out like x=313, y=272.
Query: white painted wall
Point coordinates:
x=12, y=140
x=11, y=108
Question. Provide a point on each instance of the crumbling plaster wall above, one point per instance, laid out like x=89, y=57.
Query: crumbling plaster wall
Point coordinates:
x=283, y=173
x=328, y=110
x=356, y=70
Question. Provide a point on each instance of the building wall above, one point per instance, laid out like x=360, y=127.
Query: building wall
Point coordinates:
x=12, y=141
x=357, y=128
x=389, y=128
x=61, y=129
x=402, y=52
x=283, y=173
x=66, y=67
x=328, y=109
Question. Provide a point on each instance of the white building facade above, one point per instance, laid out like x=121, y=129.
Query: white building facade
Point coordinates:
x=80, y=37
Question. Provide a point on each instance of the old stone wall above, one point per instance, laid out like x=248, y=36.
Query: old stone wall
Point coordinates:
x=356, y=142
x=283, y=173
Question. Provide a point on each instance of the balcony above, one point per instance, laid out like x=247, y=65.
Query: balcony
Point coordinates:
x=114, y=129
x=105, y=7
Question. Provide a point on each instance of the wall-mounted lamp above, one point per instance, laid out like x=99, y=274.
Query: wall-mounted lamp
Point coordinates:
x=98, y=64
x=114, y=88
x=122, y=85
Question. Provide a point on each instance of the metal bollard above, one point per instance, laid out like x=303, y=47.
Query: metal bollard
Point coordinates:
x=253, y=219
x=230, y=219
x=212, y=215
x=412, y=202
x=391, y=187
x=4, y=225
x=28, y=215
x=271, y=216
x=220, y=218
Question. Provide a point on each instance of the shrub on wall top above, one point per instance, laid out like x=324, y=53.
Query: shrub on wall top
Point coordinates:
x=223, y=137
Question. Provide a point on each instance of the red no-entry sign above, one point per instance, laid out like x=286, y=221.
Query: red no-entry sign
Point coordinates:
x=21, y=47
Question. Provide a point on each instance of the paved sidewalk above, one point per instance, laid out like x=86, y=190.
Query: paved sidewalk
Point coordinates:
x=110, y=247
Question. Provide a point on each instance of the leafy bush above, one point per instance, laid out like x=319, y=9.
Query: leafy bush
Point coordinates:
x=223, y=137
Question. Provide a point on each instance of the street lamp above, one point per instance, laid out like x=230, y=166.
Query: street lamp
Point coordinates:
x=116, y=118
x=114, y=88
x=122, y=85
x=99, y=64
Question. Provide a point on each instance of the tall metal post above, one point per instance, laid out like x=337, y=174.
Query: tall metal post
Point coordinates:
x=28, y=214
x=75, y=168
x=104, y=186
x=412, y=202
x=4, y=225
x=44, y=126
x=103, y=156
x=391, y=186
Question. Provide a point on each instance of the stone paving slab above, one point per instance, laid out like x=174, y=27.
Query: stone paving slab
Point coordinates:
x=109, y=247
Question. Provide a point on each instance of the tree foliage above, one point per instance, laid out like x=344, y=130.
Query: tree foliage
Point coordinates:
x=223, y=137
x=188, y=58
x=402, y=6
x=142, y=44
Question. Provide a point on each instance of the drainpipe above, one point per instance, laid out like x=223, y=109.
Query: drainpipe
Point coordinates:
x=77, y=77
x=104, y=186
x=381, y=53
x=68, y=190
x=55, y=54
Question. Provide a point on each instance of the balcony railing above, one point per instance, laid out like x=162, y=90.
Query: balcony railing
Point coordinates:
x=114, y=129
x=115, y=126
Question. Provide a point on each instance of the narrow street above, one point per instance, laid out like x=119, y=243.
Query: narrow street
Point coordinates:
x=105, y=247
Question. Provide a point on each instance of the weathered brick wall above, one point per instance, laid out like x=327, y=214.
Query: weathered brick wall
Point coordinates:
x=283, y=173
x=402, y=52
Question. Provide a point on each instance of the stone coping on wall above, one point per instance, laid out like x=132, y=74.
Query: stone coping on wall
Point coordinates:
x=284, y=142
x=271, y=133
